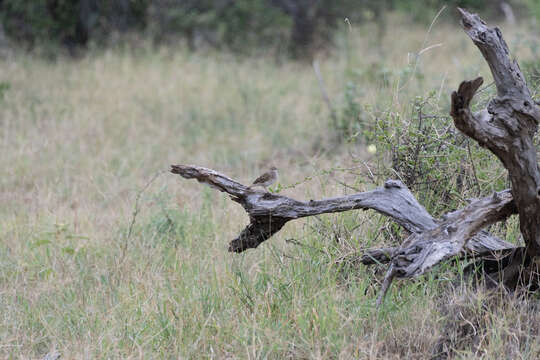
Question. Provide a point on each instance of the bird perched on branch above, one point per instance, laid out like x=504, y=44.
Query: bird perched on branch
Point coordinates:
x=266, y=179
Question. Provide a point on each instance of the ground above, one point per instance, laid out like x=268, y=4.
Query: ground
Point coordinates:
x=89, y=271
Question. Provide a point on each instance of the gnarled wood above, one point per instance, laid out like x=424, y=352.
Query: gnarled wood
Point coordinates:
x=482, y=245
x=420, y=252
x=507, y=126
x=269, y=212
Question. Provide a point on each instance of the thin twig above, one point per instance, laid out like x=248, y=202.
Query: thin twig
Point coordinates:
x=473, y=168
x=298, y=243
x=347, y=185
x=324, y=93
x=136, y=210
x=424, y=48
x=390, y=274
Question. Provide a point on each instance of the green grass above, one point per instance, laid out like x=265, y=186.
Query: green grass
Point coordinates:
x=79, y=141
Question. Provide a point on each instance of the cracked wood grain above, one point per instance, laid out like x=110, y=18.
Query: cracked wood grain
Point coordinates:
x=269, y=212
x=507, y=126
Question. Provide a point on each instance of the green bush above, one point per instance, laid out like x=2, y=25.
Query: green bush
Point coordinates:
x=298, y=25
x=26, y=20
x=237, y=24
x=69, y=22
x=531, y=70
x=421, y=147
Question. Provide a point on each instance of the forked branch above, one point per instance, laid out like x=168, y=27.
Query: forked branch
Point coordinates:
x=508, y=124
x=269, y=212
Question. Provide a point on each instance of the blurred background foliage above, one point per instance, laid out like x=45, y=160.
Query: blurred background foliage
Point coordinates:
x=297, y=27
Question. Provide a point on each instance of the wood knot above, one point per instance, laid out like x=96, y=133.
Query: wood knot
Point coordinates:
x=392, y=184
x=482, y=36
x=267, y=196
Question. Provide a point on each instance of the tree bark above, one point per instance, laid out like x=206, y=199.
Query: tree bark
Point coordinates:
x=269, y=212
x=507, y=126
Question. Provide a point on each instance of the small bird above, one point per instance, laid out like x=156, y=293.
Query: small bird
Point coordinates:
x=266, y=179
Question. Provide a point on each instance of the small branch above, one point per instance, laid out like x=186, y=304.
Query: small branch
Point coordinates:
x=136, y=210
x=324, y=93
x=212, y=178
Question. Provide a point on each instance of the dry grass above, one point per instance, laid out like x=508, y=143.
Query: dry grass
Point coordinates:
x=79, y=139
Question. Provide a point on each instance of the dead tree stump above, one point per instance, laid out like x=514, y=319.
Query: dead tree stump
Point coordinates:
x=506, y=127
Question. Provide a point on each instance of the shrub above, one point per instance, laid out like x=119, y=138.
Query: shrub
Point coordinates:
x=69, y=22
x=421, y=147
x=531, y=70
x=220, y=23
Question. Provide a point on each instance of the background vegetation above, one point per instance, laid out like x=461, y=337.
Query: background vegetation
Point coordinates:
x=103, y=254
x=298, y=26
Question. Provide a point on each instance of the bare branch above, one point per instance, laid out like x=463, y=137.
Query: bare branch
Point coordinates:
x=269, y=212
x=508, y=124
x=420, y=252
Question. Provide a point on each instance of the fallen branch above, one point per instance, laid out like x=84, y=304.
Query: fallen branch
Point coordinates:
x=506, y=128
x=420, y=252
x=269, y=212
x=482, y=245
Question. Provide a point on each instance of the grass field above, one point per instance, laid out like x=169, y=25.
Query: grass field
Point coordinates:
x=88, y=270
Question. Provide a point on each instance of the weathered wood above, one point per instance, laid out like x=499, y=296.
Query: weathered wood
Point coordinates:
x=420, y=252
x=269, y=212
x=482, y=245
x=507, y=126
